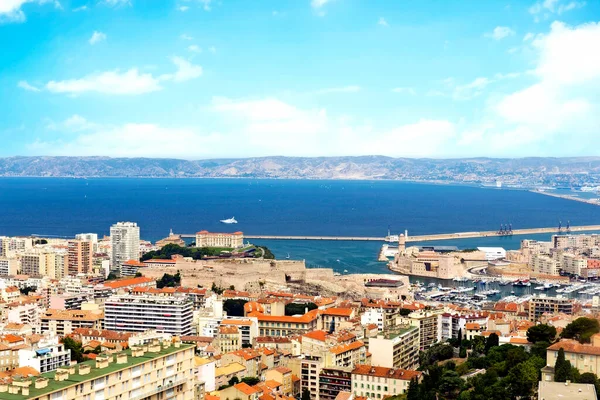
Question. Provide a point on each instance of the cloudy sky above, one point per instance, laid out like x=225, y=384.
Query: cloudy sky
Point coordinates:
x=235, y=78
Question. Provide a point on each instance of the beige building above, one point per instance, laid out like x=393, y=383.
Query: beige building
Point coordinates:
x=80, y=257
x=429, y=324
x=64, y=322
x=210, y=239
x=8, y=266
x=229, y=338
x=432, y=264
x=573, y=264
x=399, y=349
x=541, y=304
x=544, y=265
x=156, y=371
x=584, y=357
x=378, y=382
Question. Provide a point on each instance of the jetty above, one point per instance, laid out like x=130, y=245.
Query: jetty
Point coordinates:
x=431, y=237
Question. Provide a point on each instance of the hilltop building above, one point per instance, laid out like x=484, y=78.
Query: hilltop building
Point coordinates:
x=233, y=240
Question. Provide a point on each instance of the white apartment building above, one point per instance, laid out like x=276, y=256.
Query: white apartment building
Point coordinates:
x=573, y=264
x=125, y=243
x=373, y=316
x=377, y=382
x=9, y=246
x=396, y=350
x=544, y=265
x=48, y=356
x=139, y=313
x=8, y=266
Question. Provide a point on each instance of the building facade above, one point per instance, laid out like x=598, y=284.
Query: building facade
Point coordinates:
x=210, y=239
x=125, y=243
x=396, y=350
x=138, y=313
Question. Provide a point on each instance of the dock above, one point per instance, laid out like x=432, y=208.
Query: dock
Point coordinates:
x=426, y=238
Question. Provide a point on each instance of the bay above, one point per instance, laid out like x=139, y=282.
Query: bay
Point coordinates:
x=65, y=207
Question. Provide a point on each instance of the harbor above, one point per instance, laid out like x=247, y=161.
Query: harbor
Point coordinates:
x=421, y=238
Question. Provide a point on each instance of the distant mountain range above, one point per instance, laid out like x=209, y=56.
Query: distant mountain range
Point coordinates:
x=518, y=171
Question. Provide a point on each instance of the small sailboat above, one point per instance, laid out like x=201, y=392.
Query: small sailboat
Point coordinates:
x=288, y=256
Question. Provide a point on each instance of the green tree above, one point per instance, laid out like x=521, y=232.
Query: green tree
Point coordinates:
x=450, y=385
x=305, y=394
x=233, y=381
x=581, y=329
x=523, y=378
x=592, y=379
x=541, y=333
x=562, y=367
x=539, y=349
x=492, y=341
x=299, y=308
x=75, y=346
x=111, y=276
x=234, y=307
x=250, y=380
x=462, y=353
x=413, y=390
x=169, y=280
x=216, y=289
x=478, y=344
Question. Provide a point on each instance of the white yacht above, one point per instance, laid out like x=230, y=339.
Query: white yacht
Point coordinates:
x=229, y=221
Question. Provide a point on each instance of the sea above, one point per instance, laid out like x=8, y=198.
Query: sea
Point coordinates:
x=67, y=206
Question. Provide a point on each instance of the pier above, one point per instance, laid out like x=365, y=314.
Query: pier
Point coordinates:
x=426, y=238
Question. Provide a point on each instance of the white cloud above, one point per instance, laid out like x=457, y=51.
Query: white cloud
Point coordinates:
x=194, y=48
x=133, y=140
x=205, y=4
x=471, y=89
x=183, y=8
x=75, y=123
x=97, y=37
x=318, y=6
x=404, y=90
x=212, y=49
x=185, y=36
x=185, y=71
x=528, y=36
x=563, y=104
x=78, y=9
x=500, y=32
x=25, y=85
x=343, y=89
x=109, y=82
x=115, y=3
x=131, y=82
x=10, y=10
x=559, y=7
x=382, y=22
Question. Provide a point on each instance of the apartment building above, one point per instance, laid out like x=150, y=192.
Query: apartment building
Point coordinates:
x=396, y=349
x=332, y=381
x=378, y=382
x=9, y=246
x=138, y=313
x=573, y=264
x=584, y=357
x=46, y=357
x=131, y=267
x=229, y=338
x=271, y=325
x=210, y=239
x=541, y=304
x=68, y=301
x=8, y=266
x=545, y=265
x=156, y=371
x=80, y=256
x=429, y=324
x=125, y=243
x=64, y=322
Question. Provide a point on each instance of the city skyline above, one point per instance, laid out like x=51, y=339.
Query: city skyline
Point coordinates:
x=209, y=79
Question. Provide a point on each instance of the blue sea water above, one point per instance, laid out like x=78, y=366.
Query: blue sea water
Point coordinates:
x=64, y=207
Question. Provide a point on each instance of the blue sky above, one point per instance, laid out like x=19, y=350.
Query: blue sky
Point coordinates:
x=234, y=78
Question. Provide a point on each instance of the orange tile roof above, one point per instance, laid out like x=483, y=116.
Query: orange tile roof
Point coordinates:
x=10, y=338
x=343, y=348
x=245, y=388
x=228, y=330
x=472, y=326
x=283, y=370
x=519, y=340
x=338, y=312
x=211, y=397
x=488, y=333
x=134, y=263
x=242, y=322
x=317, y=335
x=383, y=372
x=121, y=283
x=573, y=346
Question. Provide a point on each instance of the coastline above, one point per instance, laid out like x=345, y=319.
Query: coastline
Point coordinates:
x=566, y=197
